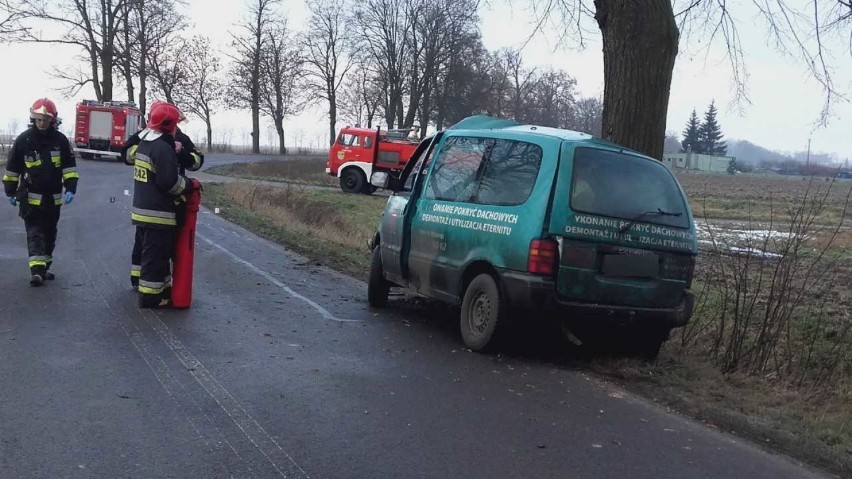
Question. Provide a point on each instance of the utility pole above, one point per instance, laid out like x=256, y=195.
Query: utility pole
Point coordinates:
x=808, y=158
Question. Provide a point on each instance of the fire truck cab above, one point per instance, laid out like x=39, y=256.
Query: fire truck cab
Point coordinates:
x=102, y=128
x=358, y=152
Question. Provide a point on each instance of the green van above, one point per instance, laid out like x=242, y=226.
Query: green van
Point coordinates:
x=502, y=218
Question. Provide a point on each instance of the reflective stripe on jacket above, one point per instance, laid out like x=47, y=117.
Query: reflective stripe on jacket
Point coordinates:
x=156, y=182
x=43, y=162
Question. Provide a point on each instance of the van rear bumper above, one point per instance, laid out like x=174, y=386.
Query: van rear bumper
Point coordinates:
x=526, y=291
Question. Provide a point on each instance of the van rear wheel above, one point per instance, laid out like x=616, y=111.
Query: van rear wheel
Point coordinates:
x=378, y=288
x=482, y=311
x=646, y=343
x=352, y=180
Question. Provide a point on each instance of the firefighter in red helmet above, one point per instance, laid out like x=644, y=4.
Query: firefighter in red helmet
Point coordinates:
x=189, y=158
x=157, y=185
x=39, y=166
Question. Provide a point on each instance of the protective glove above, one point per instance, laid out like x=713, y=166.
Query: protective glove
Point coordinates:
x=69, y=197
x=12, y=200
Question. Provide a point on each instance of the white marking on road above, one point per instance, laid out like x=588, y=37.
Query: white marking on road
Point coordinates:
x=324, y=312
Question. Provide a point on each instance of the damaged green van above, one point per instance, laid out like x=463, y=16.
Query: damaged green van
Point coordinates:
x=515, y=222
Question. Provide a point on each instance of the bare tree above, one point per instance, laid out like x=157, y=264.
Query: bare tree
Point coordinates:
x=166, y=66
x=385, y=28
x=588, y=116
x=201, y=92
x=360, y=97
x=552, y=99
x=245, y=76
x=93, y=27
x=152, y=25
x=640, y=43
x=326, y=55
x=281, y=69
x=9, y=26
x=463, y=85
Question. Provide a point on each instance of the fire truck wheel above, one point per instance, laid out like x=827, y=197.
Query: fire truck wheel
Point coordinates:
x=352, y=180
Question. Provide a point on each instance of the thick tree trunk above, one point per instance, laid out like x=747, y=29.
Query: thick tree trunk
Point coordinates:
x=282, y=146
x=106, y=72
x=640, y=39
x=209, y=123
x=332, y=117
x=255, y=128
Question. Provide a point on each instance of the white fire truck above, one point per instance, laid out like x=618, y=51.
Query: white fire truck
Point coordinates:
x=101, y=128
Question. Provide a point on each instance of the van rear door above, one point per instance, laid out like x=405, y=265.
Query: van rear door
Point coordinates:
x=625, y=229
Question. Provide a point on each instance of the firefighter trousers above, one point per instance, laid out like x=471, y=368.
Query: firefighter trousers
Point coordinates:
x=136, y=254
x=40, y=223
x=156, y=250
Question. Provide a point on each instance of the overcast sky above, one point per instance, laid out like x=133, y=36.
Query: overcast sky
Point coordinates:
x=785, y=101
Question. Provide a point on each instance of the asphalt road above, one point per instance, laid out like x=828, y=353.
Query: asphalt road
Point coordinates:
x=280, y=369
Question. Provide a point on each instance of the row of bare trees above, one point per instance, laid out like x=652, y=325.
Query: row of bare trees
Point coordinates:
x=411, y=63
x=422, y=61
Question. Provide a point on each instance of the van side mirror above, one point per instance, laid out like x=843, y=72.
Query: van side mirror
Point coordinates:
x=380, y=179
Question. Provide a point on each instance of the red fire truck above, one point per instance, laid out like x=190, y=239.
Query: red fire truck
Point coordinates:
x=101, y=128
x=358, y=152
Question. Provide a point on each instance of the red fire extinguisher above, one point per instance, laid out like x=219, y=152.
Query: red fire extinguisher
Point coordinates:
x=185, y=251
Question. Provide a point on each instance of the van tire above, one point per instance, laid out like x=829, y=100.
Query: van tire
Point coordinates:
x=647, y=343
x=483, y=309
x=378, y=288
x=352, y=180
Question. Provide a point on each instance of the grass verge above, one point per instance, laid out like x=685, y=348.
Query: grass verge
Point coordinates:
x=330, y=227
x=304, y=171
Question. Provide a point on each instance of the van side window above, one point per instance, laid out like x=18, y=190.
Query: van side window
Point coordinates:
x=485, y=171
x=453, y=177
x=508, y=173
x=412, y=178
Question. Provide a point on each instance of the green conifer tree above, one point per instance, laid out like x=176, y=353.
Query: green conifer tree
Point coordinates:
x=711, y=134
x=692, y=135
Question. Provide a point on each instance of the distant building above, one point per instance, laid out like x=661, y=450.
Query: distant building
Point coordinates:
x=697, y=162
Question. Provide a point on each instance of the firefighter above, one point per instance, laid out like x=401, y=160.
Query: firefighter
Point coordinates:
x=157, y=184
x=189, y=158
x=40, y=163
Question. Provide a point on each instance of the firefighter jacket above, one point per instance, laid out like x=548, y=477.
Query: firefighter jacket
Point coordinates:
x=189, y=157
x=42, y=163
x=157, y=183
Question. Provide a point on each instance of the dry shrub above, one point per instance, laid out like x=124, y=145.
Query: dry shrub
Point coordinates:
x=775, y=303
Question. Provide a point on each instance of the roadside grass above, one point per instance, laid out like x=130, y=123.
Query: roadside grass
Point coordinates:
x=306, y=171
x=330, y=227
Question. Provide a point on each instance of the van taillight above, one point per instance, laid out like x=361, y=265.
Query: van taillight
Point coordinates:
x=543, y=254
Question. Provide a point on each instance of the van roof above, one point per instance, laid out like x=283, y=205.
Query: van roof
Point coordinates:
x=485, y=122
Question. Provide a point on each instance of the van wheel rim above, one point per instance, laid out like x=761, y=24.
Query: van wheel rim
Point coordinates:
x=480, y=312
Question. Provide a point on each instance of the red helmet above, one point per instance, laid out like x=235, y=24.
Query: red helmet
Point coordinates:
x=43, y=107
x=163, y=117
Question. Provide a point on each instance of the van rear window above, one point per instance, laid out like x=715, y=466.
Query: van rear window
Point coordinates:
x=619, y=185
